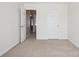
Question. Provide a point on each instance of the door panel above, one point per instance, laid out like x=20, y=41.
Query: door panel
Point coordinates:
x=23, y=24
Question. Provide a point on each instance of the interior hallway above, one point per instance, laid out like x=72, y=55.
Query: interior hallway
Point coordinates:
x=43, y=48
x=32, y=36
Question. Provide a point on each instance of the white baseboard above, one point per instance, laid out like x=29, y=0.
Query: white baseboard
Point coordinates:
x=57, y=39
x=52, y=39
x=77, y=45
x=41, y=39
x=9, y=48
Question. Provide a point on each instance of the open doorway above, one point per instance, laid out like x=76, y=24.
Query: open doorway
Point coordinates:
x=31, y=24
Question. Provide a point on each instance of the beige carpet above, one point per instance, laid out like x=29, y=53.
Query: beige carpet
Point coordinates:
x=44, y=48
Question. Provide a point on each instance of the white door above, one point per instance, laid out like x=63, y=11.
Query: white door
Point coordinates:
x=23, y=24
x=53, y=29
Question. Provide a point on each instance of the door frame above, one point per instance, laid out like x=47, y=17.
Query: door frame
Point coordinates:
x=24, y=13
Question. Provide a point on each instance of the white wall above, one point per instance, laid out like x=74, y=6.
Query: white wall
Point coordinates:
x=73, y=23
x=51, y=19
x=9, y=25
x=9, y=22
